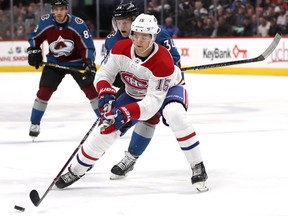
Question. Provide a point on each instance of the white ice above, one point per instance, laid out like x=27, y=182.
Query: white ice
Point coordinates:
x=242, y=124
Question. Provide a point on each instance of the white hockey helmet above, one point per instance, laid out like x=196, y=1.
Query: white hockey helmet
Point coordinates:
x=145, y=23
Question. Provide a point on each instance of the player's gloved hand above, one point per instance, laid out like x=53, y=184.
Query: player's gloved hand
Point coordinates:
x=90, y=68
x=114, y=120
x=35, y=57
x=106, y=101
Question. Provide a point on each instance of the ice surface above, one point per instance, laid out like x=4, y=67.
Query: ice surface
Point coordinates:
x=242, y=124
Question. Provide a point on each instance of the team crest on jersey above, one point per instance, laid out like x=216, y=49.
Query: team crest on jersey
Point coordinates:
x=78, y=20
x=133, y=81
x=61, y=47
x=45, y=17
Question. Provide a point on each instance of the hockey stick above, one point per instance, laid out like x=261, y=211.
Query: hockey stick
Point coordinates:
x=261, y=57
x=63, y=67
x=34, y=195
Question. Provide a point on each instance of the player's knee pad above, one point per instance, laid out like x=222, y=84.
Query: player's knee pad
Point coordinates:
x=175, y=115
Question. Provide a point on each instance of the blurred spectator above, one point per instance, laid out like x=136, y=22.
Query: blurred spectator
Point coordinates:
x=153, y=7
x=285, y=28
x=274, y=28
x=91, y=27
x=199, y=10
x=194, y=17
x=263, y=27
x=20, y=32
x=238, y=26
x=214, y=7
x=6, y=34
x=248, y=27
x=198, y=29
x=270, y=12
x=237, y=4
x=4, y=4
x=223, y=29
x=4, y=21
x=254, y=23
x=208, y=28
x=169, y=26
x=281, y=19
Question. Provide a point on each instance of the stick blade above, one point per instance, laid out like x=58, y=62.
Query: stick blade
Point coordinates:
x=34, y=196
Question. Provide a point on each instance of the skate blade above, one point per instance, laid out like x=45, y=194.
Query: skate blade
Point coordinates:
x=201, y=186
x=116, y=177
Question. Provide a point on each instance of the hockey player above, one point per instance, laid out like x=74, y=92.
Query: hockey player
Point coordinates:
x=70, y=44
x=152, y=84
x=123, y=16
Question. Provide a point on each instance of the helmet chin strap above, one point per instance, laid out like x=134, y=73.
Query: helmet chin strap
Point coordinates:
x=151, y=43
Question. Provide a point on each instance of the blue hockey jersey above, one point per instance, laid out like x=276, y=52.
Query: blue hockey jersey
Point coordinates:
x=69, y=43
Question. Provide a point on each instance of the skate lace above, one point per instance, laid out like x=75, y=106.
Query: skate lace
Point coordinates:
x=34, y=128
x=197, y=170
x=68, y=177
x=126, y=163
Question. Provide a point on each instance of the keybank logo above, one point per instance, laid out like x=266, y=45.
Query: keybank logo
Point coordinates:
x=217, y=53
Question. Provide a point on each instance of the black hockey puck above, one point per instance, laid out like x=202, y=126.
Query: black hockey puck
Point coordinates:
x=19, y=208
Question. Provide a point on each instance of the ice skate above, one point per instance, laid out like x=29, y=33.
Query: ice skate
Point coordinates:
x=121, y=169
x=199, y=176
x=67, y=179
x=34, y=131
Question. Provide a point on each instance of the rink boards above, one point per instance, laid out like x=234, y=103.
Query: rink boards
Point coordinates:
x=194, y=52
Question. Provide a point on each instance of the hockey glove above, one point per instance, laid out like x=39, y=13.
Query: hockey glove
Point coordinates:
x=90, y=68
x=106, y=101
x=115, y=120
x=35, y=57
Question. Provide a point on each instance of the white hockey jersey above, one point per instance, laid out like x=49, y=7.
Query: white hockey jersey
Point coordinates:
x=149, y=80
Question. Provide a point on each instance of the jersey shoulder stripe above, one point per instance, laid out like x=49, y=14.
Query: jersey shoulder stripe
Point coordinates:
x=161, y=64
x=122, y=47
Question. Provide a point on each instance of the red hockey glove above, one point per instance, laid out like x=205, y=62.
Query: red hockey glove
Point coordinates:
x=115, y=120
x=107, y=100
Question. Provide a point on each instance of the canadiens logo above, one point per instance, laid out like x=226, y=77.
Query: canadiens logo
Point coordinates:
x=133, y=81
x=61, y=47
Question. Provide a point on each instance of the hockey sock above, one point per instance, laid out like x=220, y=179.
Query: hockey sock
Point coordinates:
x=141, y=138
x=176, y=117
x=38, y=110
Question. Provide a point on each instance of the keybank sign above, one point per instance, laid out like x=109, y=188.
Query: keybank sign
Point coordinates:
x=217, y=54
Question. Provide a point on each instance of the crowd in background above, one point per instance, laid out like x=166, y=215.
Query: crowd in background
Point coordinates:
x=186, y=18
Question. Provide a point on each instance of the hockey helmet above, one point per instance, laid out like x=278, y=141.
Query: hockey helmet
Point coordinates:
x=125, y=10
x=59, y=2
x=145, y=23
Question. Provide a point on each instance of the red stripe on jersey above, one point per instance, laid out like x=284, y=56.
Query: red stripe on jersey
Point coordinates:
x=186, y=137
x=134, y=110
x=122, y=47
x=87, y=156
x=161, y=64
x=101, y=84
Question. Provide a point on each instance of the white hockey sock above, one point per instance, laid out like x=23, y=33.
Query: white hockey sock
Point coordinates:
x=94, y=147
x=178, y=120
